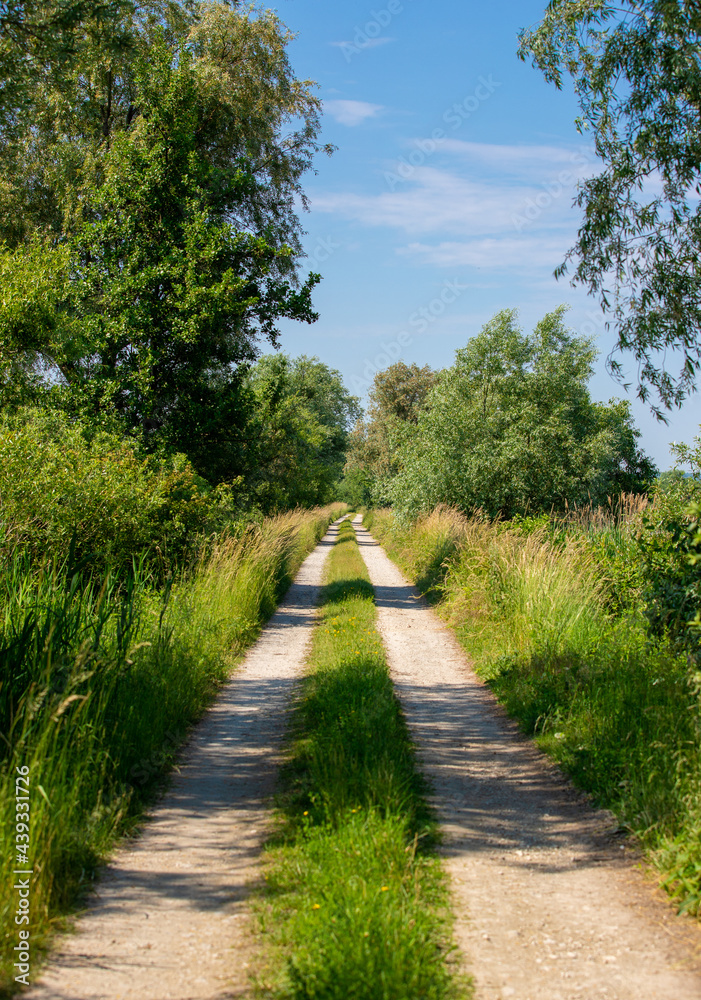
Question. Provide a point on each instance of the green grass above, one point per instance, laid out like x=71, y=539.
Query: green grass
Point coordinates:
x=355, y=904
x=100, y=682
x=552, y=622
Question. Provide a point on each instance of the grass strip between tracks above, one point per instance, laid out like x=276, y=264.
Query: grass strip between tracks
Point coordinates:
x=355, y=903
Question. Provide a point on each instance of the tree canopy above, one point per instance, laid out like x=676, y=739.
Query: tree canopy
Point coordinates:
x=511, y=427
x=151, y=233
x=297, y=432
x=636, y=68
x=36, y=34
x=396, y=398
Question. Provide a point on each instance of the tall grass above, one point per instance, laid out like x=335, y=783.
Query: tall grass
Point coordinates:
x=100, y=682
x=355, y=902
x=551, y=620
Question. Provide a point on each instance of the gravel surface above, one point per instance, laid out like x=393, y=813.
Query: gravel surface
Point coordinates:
x=550, y=904
x=168, y=920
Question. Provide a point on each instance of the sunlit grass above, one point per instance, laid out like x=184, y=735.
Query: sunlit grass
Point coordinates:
x=100, y=682
x=548, y=621
x=355, y=902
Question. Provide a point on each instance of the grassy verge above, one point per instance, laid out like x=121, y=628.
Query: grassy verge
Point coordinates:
x=617, y=708
x=100, y=682
x=355, y=903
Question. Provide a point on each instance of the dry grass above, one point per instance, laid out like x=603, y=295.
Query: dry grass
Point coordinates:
x=624, y=513
x=536, y=592
x=499, y=587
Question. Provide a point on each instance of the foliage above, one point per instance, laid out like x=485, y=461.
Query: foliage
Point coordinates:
x=33, y=34
x=300, y=413
x=397, y=396
x=637, y=77
x=71, y=90
x=612, y=535
x=354, y=901
x=669, y=549
x=669, y=480
x=356, y=488
x=511, y=428
x=168, y=241
x=690, y=456
x=101, y=679
x=262, y=124
x=33, y=284
x=59, y=490
x=258, y=122
x=401, y=391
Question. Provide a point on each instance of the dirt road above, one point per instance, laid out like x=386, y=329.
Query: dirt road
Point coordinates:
x=168, y=920
x=549, y=907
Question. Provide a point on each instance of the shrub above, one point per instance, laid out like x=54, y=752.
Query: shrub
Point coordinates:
x=668, y=554
x=59, y=483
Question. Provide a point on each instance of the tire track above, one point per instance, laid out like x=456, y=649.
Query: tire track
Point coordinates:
x=168, y=919
x=549, y=907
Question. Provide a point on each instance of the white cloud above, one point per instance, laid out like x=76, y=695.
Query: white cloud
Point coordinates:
x=509, y=252
x=495, y=208
x=368, y=43
x=439, y=201
x=352, y=112
x=581, y=160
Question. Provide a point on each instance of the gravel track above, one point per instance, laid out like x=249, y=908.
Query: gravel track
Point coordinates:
x=168, y=920
x=549, y=905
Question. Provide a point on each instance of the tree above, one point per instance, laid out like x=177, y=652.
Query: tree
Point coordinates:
x=637, y=76
x=34, y=34
x=628, y=469
x=180, y=251
x=511, y=428
x=400, y=391
x=69, y=88
x=397, y=397
x=258, y=129
x=297, y=431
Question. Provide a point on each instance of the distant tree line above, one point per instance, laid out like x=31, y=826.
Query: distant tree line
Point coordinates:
x=509, y=428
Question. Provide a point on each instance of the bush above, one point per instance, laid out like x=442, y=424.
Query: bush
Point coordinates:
x=668, y=554
x=60, y=483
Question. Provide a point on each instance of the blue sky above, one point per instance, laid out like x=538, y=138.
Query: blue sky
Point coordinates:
x=450, y=194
